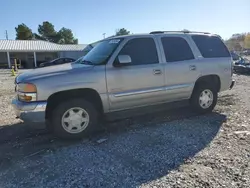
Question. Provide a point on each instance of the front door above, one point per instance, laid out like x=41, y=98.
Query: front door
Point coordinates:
x=139, y=83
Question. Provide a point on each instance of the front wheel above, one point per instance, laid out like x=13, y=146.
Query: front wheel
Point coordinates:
x=74, y=119
x=204, y=98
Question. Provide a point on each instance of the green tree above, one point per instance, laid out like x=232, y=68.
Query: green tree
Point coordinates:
x=66, y=36
x=23, y=32
x=247, y=41
x=122, y=31
x=38, y=37
x=47, y=32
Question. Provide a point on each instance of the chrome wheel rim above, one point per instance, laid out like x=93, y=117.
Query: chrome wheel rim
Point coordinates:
x=75, y=120
x=206, y=99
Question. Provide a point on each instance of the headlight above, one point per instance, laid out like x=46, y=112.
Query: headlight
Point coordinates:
x=26, y=92
x=26, y=88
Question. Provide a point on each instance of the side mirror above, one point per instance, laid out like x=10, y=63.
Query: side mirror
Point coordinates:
x=124, y=59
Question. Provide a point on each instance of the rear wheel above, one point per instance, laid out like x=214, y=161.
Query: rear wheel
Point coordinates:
x=74, y=119
x=204, y=98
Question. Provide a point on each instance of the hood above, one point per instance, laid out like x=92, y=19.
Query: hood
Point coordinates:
x=50, y=71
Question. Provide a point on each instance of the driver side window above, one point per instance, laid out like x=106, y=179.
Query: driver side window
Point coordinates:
x=142, y=51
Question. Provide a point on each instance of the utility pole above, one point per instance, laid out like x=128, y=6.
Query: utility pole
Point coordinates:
x=104, y=35
x=6, y=35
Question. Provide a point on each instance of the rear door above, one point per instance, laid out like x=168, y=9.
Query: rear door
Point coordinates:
x=181, y=66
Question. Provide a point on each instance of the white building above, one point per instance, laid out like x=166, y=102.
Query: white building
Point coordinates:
x=30, y=53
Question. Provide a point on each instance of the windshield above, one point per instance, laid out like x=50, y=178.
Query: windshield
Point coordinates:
x=101, y=52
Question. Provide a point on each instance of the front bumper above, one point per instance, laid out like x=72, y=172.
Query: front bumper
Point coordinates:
x=29, y=112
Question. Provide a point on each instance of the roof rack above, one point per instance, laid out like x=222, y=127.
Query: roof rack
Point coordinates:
x=159, y=32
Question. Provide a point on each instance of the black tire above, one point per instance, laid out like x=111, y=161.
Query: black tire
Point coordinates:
x=195, y=99
x=48, y=125
x=58, y=112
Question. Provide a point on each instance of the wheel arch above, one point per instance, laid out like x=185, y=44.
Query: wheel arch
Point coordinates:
x=88, y=94
x=211, y=79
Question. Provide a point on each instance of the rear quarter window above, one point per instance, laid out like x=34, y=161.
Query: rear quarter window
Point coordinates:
x=211, y=46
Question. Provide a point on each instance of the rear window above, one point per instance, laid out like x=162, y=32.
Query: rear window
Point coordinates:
x=211, y=46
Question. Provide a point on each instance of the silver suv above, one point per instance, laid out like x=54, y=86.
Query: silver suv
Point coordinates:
x=124, y=73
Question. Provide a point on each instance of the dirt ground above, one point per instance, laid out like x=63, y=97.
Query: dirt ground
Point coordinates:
x=174, y=148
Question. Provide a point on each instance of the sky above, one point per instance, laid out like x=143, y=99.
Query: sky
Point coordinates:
x=89, y=19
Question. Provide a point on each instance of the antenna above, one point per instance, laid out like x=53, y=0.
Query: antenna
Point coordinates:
x=6, y=35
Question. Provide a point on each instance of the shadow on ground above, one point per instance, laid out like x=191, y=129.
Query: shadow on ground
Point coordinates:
x=141, y=150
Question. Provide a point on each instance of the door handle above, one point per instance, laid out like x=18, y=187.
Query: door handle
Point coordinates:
x=192, y=67
x=157, y=71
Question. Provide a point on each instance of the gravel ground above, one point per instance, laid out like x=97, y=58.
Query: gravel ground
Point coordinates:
x=163, y=149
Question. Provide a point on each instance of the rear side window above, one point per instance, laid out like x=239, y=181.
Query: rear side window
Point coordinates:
x=211, y=46
x=176, y=49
